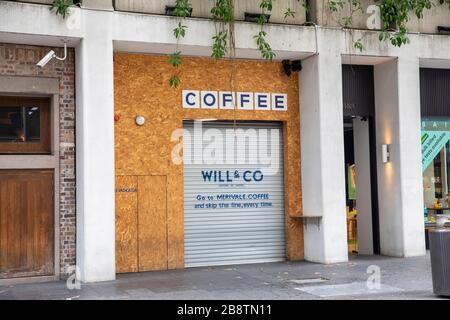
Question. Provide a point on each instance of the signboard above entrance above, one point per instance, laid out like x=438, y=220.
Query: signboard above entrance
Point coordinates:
x=435, y=135
x=194, y=99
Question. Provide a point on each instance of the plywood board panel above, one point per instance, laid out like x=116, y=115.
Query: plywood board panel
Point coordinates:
x=126, y=224
x=175, y=229
x=152, y=223
x=26, y=223
x=141, y=88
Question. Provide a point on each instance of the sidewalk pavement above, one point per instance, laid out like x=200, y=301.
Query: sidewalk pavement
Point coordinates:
x=401, y=278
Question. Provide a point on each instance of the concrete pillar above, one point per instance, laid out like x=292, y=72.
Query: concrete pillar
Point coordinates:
x=95, y=150
x=363, y=186
x=322, y=154
x=400, y=193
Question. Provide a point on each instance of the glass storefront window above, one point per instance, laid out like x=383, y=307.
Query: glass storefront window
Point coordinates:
x=435, y=137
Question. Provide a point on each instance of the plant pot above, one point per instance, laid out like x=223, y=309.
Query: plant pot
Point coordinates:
x=170, y=11
x=254, y=17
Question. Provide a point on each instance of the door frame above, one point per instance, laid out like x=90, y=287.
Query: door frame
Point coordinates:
x=38, y=87
x=359, y=100
x=374, y=186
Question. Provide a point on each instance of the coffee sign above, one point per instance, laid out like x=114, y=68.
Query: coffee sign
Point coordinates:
x=195, y=99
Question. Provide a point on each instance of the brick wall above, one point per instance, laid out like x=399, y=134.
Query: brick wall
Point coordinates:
x=20, y=60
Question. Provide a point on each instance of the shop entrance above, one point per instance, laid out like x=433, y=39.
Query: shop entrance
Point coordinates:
x=362, y=214
x=435, y=140
x=360, y=160
x=233, y=207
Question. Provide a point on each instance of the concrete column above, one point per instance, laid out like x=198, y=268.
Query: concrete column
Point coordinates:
x=95, y=150
x=400, y=193
x=363, y=186
x=322, y=154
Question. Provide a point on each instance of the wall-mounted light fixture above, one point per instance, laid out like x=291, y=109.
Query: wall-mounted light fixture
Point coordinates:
x=385, y=153
x=140, y=120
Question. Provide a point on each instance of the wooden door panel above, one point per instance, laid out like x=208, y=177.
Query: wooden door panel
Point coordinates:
x=12, y=211
x=126, y=224
x=26, y=223
x=152, y=223
x=41, y=225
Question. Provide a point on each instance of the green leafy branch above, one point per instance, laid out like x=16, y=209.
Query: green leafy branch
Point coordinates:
x=62, y=7
x=220, y=42
x=395, y=16
x=260, y=38
x=223, y=15
x=290, y=13
x=352, y=7
x=182, y=10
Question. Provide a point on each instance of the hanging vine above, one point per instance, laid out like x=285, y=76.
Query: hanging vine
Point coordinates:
x=223, y=15
x=263, y=46
x=395, y=15
x=351, y=8
x=223, y=40
x=181, y=10
x=291, y=13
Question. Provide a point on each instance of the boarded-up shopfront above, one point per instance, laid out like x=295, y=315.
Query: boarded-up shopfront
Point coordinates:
x=174, y=214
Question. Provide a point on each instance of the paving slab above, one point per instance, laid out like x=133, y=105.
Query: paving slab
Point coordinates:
x=348, y=289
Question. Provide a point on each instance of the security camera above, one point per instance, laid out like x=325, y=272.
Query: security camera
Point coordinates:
x=49, y=56
x=52, y=54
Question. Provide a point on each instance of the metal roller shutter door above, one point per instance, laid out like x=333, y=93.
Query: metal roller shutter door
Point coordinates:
x=222, y=236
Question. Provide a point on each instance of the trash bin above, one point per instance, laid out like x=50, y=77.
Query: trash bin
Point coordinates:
x=440, y=260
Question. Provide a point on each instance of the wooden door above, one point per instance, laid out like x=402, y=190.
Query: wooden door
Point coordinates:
x=26, y=223
x=141, y=223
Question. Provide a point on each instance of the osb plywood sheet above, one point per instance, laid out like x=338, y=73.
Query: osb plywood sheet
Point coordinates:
x=175, y=219
x=141, y=88
x=126, y=224
x=152, y=223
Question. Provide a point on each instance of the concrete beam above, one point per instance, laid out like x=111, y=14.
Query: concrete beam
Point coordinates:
x=152, y=33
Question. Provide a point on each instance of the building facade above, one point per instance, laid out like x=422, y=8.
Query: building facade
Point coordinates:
x=112, y=196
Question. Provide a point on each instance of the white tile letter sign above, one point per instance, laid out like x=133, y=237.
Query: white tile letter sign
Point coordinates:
x=196, y=99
